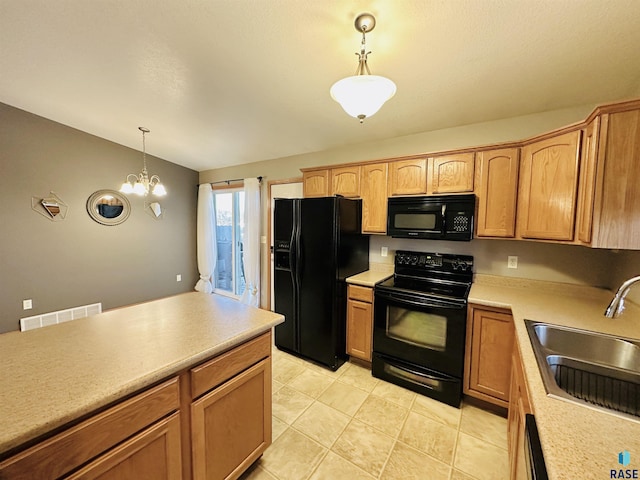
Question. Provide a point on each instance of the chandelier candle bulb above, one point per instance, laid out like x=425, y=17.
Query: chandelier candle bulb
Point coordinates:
x=141, y=184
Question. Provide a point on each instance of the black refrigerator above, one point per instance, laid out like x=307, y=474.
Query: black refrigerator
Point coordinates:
x=317, y=245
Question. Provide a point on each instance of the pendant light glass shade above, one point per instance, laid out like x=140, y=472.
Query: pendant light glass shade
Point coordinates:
x=362, y=96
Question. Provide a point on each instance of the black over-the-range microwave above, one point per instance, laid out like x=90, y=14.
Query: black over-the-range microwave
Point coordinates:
x=440, y=217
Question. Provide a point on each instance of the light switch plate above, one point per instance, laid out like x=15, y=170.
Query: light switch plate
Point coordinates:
x=178, y=278
x=384, y=251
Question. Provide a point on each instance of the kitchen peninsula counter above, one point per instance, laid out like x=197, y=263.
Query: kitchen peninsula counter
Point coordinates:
x=55, y=375
x=577, y=441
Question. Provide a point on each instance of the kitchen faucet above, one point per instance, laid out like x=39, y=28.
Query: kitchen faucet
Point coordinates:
x=616, y=306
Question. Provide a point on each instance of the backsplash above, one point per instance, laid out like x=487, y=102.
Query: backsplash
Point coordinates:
x=536, y=260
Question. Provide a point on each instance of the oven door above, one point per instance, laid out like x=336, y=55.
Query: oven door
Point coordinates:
x=425, y=332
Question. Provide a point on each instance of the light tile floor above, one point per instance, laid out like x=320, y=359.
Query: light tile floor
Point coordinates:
x=349, y=425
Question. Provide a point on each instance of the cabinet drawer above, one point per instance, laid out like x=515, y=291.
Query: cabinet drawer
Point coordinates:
x=364, y=294
x=215, y=372
x=52, y=459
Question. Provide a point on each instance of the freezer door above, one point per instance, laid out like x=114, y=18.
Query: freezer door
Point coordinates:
x=285, y=281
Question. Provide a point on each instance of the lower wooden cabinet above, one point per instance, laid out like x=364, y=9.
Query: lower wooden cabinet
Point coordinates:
x=490, y=336
x=208, y=422
x=360, y=322
x=153, y=453
x=231, y=425
x=519, y=406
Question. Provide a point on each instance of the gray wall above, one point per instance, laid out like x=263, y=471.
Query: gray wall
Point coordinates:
x=77, y=261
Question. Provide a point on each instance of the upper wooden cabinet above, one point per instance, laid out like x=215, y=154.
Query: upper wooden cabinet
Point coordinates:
x=586, y=192
x=373, y=190
x=345, y=181
x=548, y=188
x=497, y=192
x=315, y=183
x=451, y=173
x=616, y=201
x=408, y=177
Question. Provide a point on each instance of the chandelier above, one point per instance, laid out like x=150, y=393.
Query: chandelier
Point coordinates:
x=141, y=184
x=362, y=94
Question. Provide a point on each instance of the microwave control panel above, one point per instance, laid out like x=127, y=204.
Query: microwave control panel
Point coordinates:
x=459, y=221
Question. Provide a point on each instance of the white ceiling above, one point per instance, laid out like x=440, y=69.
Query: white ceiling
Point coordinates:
x=223, y=82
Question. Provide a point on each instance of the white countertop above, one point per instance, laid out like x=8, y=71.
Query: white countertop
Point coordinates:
x=54, y=375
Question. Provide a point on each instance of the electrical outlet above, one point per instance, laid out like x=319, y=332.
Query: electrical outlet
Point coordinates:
x=178, y=278
x=384, y=251
x=512, y=261
x=27, y=304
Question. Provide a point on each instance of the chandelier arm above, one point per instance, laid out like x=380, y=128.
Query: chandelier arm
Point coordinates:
x=153, y=178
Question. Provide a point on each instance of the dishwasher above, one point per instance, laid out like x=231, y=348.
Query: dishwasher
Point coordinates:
x=536, y=468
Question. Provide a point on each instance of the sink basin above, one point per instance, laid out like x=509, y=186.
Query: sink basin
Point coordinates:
x=578, y=365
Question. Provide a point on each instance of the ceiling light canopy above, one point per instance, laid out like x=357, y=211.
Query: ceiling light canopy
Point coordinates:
x=141, y=184
x=362, y=94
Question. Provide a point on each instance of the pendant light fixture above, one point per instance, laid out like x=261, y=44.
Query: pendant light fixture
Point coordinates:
x=362, y=94
x=141, y=184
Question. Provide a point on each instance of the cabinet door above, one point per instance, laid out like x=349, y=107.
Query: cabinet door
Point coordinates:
x=231, y=425
x=153, y=453
x=345, y=181
x=408, y=177
x=451, y=173
x=587, y=186
x=373, y=190
x=315, y=183
x=616, y=221
x=518, y=407
x=548, y=188
x=359, y=329
x=490, y=335
x=497, y=192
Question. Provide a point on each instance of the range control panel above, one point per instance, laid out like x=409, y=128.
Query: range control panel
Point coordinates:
x=416, y=262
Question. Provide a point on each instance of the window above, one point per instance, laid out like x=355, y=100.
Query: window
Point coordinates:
x=229, y=273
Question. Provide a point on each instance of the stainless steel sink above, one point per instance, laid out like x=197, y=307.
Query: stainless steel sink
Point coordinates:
x=578, y=365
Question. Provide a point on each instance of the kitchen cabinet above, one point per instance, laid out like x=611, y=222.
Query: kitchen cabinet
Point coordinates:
x=359, y=322
x=153, y=453
x=155, y=445
x=315, y=183
x=548, y=188
x=210, y=421
x=490, y=336
x=345, y=181
x=231, y=411
x=497, y=192
x=451, y=173
x=615, y=221
x=408, y=177
x=373, y=190
x=587, y=186
x=519, y=406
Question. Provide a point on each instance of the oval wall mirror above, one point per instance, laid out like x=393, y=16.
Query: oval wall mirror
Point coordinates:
x=108, y=207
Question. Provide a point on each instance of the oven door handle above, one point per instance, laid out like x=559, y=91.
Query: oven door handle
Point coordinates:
x=419, y=303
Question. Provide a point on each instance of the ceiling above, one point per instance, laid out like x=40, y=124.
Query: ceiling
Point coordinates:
x=224, y=82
